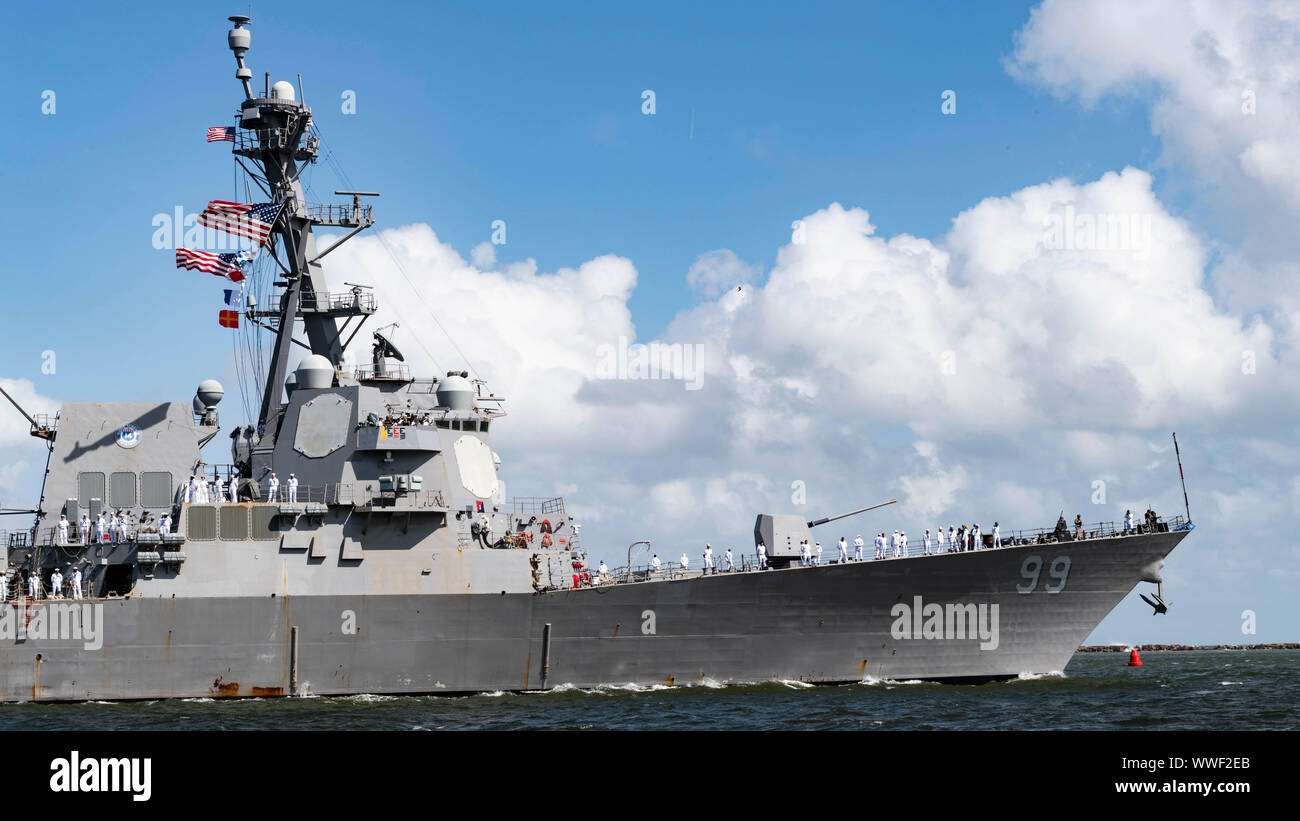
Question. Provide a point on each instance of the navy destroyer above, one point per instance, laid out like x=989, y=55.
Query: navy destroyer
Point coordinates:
x=359, y=540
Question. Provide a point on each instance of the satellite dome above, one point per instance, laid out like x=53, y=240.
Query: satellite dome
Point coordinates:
x=209, y=393
x=199, y=407
x=456, y=392
x=314, y=371
x=282, y=90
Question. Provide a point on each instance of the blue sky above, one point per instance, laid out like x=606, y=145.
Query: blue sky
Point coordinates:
x=467, y=114
x=532, y=114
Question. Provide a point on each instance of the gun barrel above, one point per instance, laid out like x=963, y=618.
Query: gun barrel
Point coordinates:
x=14, y=402
x=850, y=513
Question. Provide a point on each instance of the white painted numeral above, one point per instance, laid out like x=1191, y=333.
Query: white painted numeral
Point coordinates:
x=1060, y=570
x=1030, y=570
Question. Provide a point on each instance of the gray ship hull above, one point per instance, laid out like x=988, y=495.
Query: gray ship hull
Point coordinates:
x=836, y=623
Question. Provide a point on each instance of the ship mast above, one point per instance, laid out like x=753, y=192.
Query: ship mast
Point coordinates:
x=276, y=135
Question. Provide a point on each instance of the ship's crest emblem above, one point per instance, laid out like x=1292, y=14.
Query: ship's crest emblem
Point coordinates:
x=128, y=436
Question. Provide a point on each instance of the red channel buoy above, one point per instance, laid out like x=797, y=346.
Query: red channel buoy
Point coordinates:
x=1134, y=660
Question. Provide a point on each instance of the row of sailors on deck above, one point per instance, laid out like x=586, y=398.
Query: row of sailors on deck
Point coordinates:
x=34, y=584
x=111, y=529
x=810, y=552
x=728, y=560
x=956, y=539
x=199, y=492
x=407, y=419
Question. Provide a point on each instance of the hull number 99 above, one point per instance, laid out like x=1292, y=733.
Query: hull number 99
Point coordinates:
x=1032, y=570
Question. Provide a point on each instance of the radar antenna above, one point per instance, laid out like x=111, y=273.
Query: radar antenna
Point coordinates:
x=384, y=348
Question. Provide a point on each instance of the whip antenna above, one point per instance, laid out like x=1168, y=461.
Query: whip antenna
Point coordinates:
x=1181, y=479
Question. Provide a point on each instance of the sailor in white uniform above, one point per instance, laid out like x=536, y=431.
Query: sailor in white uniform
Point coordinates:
x=975, y=537
x=602, y=570
x=85, y=529
x=76, y=583
x=273, y=488
x=205, y=495
x=165, y=522
x=1128, y=521
x=731, y=564
x=844, y=550
x=880, y=546
x=997, y=535
x=654, y=563
x=803, y=552
x=190, y=488
x=817, y=559
x=952, y=538
x=926, y=539
x=293, y=489
x=762, y=554
x=63, y=530
x=686, y=562
x=99, y=527
x=708, y=558
x=218, y=492
x=902, y=545
x=234, y=490
x=56, y=583
x=857, y=548
x=33, y=585
x=112, y=528
x=940, y=540
x=125, y=526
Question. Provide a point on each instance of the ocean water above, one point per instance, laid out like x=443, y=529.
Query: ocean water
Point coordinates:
x=1188, y=690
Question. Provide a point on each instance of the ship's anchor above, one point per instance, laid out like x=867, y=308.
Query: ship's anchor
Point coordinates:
x=1159, y=606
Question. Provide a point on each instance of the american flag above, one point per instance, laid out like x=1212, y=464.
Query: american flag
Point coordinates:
x=241, y=219
x=221, y=133
x=229, y=319
x=229, y=266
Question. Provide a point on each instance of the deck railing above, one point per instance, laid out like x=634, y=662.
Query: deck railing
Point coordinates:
x=534, y=505
x=747, y=561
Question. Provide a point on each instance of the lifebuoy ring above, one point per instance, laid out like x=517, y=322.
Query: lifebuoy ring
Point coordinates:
x=546, y=540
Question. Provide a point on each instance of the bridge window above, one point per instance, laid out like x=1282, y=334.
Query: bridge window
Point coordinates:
x=157, y=489
x=122, y=490
x=202, y=523
x=234, y=523
x=91, y=486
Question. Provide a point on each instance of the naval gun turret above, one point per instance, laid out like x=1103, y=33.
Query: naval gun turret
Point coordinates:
x=782, y=533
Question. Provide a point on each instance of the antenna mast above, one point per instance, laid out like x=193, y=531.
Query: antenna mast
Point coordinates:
x=1181, y=479
x=278, y=137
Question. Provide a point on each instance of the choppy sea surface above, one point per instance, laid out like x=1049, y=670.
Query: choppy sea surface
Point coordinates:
x=1187, y=690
